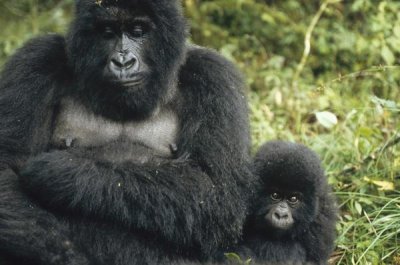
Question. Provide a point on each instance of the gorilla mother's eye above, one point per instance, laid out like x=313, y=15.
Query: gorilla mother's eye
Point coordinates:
x=276, y=196
x=108, y=32
x=140, y=27
x=137, y=31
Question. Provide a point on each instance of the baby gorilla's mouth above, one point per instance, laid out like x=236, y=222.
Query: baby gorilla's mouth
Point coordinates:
x=282, y=224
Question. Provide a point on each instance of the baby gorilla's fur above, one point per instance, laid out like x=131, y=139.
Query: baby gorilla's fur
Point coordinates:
x=293, y=219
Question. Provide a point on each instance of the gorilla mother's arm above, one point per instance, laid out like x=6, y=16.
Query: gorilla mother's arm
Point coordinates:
x=28, y=232
x=27, y=98
x=201, y=202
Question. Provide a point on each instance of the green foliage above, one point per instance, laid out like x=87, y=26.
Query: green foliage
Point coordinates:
x=24, y=19
x=343, y=101
x=236, y=259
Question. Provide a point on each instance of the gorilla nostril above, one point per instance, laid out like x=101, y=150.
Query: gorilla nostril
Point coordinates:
x=281, y=215
x=277, y=216
x=123, y=62
x=130, y=63
x=117, y=63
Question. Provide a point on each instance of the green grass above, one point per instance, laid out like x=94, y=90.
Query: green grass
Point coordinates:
x=351, y=72
x=359, y=155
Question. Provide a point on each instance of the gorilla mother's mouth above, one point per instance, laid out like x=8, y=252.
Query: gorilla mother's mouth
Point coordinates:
x=132, y=82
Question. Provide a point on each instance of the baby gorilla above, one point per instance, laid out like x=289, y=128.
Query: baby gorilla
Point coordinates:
x=293, y=219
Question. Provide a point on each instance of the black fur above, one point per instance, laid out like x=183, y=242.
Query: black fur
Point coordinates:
x=83, y=210
x=286, y=168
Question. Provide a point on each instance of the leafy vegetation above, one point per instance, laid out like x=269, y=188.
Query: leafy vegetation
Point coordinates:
x=324, y=73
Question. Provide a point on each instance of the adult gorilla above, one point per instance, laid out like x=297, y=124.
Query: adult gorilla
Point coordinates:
x=120, y=143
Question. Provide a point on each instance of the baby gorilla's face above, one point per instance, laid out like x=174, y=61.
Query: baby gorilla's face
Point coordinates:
x=282, y=205
x=278, y=210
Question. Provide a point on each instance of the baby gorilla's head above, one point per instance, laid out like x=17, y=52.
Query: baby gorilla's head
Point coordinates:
x=291, y=176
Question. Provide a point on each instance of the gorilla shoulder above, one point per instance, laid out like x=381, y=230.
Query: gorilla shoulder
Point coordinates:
x=43, y=55
x=208, y=66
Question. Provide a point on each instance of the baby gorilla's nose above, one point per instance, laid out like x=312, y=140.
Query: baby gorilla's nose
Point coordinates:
x=281, y=214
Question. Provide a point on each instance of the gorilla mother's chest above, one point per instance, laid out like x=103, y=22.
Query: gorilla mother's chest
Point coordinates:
x=78, y=126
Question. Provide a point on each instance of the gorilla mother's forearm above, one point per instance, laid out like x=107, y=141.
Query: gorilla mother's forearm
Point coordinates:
x=30, y=233
x=174, y=200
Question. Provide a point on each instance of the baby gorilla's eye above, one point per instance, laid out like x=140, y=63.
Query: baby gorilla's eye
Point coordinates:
x=275, y=196
x=293, y=199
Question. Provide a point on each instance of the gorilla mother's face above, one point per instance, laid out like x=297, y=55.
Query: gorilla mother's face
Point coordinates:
x=126, y=65
x=126, y=59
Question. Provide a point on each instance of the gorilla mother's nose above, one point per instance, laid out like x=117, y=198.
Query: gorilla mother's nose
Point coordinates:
x=123, y=63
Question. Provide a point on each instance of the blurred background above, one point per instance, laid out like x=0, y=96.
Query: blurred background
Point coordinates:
x=324, y=73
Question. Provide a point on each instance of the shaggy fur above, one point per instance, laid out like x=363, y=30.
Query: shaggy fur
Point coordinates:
x=83, y=210
x=288, y=167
